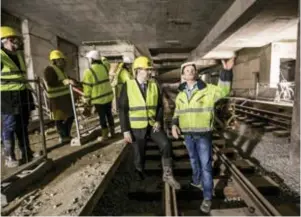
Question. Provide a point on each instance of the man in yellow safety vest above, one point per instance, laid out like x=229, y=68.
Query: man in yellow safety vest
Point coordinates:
x=121, y=74
x=141, y=115
x=57, y=90
x=16, y=98
x=194, y=118
x=98, y=90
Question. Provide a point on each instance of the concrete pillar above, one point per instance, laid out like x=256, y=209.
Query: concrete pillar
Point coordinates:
x=295, y=131
x=27, y=49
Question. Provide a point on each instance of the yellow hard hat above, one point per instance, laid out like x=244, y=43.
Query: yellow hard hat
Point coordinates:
x=141, y=62
x=56, y=54
x=7, y=31
x=106, y=62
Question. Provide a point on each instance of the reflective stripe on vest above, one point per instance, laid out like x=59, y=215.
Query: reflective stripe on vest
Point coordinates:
x=142, y=111
x=10, y=71
x=196, y=130
x=101, y=88
x=196, y=114
x=53, y=92
x=119, y=68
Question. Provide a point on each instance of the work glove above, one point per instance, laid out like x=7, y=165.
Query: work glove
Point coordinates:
x=176, y=132
x=127, y=137
x=156, y=127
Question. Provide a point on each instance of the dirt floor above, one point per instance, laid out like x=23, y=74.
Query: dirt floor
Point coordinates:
x=67, y=187
x=55, y=150
x=76, y=172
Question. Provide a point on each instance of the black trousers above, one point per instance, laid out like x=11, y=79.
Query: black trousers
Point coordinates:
x=105, y=114
x=140, y=142
x=64, y=127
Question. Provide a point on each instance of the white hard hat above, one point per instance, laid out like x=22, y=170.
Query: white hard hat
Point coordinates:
x=127, y=59
x=93, y=54
x=187, y=64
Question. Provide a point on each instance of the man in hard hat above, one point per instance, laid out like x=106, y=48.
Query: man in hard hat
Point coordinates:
x=122, y=73
x=57, y=83
x=16, y=98
x=98, y=91
x=141, y=115
x=106, y=63
x=193, y=117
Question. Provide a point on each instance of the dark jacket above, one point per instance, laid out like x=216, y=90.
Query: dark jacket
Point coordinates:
x=16, y=102
x=123, y=104
x=62, y=103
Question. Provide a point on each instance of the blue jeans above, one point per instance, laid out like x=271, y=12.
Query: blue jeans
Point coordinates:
x=200, y=153
x=15, y=124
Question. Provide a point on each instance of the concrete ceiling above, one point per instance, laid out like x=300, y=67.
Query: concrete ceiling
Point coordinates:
x=153, y=23
x=277, y=22
x=170, y=31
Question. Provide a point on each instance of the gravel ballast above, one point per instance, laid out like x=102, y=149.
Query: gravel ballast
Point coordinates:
x=115, y=201
x=271, y=155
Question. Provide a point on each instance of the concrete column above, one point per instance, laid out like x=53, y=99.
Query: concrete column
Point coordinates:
x=295, y=131
x=27, y=49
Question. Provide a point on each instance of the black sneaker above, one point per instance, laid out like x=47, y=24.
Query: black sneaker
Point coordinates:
x=25, y=159
x=206, y=206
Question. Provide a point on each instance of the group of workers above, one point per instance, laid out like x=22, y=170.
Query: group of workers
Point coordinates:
x=139, y=103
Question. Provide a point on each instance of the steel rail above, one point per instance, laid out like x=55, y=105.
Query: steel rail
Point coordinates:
x=255, y=199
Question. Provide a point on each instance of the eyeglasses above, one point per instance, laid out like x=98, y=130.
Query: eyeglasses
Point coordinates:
x=15, y=40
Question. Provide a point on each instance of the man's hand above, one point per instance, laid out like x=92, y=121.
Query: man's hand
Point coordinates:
x=127, y=137
x=156, y=127
x=175, y=131
x=72, y=82
x=68, y=81
x=229, y=64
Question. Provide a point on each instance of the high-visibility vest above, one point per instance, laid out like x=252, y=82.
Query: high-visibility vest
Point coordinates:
x=142, y=111
x=97, y=85
x=61, y=90
x=11, y=71
x=122, y=75
x=197, y=114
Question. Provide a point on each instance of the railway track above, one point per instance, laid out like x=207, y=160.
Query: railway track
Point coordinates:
x=247, y=111
x=238, y=187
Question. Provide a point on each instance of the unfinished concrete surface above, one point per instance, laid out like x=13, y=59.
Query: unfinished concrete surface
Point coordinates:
x=66, y=193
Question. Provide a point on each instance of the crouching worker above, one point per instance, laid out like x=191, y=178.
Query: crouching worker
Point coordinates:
x=193, y=117
x=98, y=91
x=16, y=98
x=141, y=115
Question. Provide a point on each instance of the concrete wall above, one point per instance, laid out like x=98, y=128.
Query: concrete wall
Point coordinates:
x=250, y=61
x=266, y=61
x=280, y=50
x=38, y=44
x=107, y=51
